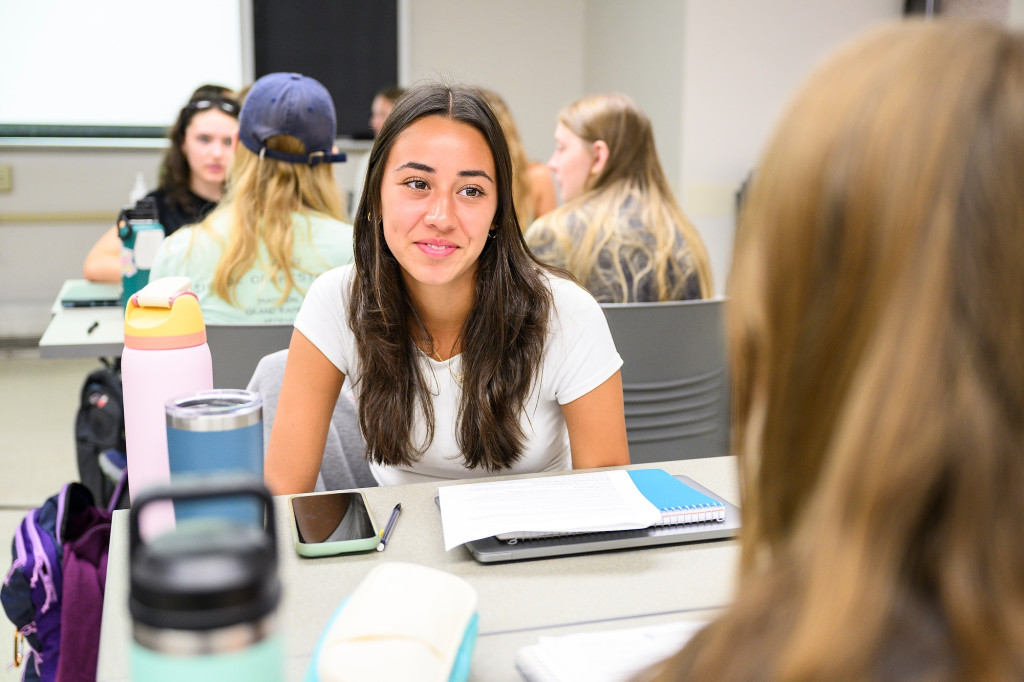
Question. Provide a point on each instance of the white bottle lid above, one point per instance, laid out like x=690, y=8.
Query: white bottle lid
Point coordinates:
x=138, y=189
x=160, y=293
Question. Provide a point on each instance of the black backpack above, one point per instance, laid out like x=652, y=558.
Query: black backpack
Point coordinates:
x=99, y=435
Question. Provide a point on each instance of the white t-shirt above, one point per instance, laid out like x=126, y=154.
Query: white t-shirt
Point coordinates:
x=579, y=356
x=319, y=244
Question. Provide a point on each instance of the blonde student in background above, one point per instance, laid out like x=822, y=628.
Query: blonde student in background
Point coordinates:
x=279, y=226
x=876, y=328
x=466, y=356
x=619, y=231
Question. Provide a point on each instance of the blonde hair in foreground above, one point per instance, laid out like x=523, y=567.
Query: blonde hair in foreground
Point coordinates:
x=632, y=174
x=261, y=195
x=876, y=330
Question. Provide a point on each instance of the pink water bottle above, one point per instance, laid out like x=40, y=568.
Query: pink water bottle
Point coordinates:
x=165, y=355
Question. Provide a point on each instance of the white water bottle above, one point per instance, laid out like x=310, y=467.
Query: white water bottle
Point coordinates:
x=165, y=355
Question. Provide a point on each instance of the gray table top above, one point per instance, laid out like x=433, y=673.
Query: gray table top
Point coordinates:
x=83, y=332
x=518, y=601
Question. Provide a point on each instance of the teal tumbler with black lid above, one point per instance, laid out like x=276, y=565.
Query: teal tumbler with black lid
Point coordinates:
x=204, y=597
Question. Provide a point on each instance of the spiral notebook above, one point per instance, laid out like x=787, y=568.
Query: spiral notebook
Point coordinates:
x=678, y=503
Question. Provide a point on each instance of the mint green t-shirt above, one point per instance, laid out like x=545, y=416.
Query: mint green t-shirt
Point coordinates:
x=320, y=244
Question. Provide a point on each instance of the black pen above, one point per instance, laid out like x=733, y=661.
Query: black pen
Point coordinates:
x=390, y=527
x=92, y=327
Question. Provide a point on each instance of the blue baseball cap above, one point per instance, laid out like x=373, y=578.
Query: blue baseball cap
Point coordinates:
x=289, y=104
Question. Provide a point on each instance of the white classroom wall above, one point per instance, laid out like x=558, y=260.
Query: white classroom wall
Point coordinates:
x=531, y=52
x=742, y=61
x=637, y=49
x=711, y=74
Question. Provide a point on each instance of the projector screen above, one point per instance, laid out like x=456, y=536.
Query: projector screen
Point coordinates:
x=121, y=63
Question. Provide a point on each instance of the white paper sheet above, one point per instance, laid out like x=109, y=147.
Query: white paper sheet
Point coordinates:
x=605, y=656
x=576, y=503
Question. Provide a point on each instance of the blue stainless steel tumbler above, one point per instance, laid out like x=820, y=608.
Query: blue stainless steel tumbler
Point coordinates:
x=216, y=433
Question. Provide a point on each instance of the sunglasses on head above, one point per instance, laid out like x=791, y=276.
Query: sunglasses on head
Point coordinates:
x=226, y=105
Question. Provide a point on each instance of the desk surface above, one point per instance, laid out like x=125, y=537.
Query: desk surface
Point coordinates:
x=518, y=601
x=83, y=332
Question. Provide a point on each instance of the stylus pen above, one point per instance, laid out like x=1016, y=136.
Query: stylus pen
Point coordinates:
x=390, y=527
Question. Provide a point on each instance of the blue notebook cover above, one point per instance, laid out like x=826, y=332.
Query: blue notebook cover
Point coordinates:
x=677, y=502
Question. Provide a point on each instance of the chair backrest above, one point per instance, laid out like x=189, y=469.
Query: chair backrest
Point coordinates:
x=674, y=378
x=344, y=464
x=236, y=349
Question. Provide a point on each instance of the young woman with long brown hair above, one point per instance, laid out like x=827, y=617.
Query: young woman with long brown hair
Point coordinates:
x=466, y=356
x=876, y=333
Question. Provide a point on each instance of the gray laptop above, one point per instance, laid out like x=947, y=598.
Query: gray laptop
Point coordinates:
x=489, y=550
x=91, y=294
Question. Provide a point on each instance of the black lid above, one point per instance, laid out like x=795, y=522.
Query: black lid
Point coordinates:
x=144, y=209
x=207, y=573
x=204, y=580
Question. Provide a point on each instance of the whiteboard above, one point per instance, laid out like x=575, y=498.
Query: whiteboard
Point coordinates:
x=113, y=62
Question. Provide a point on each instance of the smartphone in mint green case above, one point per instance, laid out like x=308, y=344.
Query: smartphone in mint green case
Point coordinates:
x=330, y=523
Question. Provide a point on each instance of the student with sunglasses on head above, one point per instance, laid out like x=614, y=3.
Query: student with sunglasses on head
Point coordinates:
x=191, y=177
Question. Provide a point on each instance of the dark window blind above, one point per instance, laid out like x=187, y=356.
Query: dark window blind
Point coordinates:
x=351, y=46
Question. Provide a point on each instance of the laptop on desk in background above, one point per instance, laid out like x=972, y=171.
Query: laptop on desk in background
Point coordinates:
x=83, y=294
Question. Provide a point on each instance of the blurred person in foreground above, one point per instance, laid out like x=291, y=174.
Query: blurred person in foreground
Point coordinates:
x=876, y=328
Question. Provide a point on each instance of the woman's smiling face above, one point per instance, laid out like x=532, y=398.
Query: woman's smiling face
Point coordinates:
x=438, y=201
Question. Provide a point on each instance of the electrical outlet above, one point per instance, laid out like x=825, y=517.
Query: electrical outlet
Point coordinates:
x=5, y=178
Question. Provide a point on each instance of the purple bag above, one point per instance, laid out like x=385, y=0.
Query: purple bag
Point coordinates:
x=57, y=577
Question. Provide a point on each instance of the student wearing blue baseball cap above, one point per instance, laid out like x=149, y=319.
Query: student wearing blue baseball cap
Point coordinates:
x=280, y=223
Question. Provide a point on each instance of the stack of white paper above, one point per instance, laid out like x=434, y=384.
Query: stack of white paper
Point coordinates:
x=580, y=503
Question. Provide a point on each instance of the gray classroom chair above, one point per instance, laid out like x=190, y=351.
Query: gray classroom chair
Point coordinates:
x=344, y=464
x=237, y=348
x=674, y=378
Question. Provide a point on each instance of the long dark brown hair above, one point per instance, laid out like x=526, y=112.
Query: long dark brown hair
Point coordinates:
x=175, y=175
x=502, y=339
